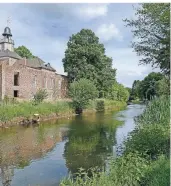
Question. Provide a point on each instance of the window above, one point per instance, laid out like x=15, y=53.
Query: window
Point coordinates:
x=16, y=79
x=59, y=84
x=45, y=82
x=16, y=93
x=34, y=82
x=52, y=83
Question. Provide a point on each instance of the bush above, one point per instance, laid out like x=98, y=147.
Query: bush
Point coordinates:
x=152, y=131
x=127, y=170
x=40, y=96
x=82, y=92
x=100, y=105
x=158, y=173
x=119, y=93
x=145, y=161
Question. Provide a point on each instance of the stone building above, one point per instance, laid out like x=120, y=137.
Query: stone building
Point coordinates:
x=21, y=78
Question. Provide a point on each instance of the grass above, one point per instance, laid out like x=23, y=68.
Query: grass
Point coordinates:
x=145, y=161
x=9, y=111
x=27, y=109
x=105, y=104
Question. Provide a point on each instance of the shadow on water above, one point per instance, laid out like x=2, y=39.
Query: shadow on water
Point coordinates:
x=44, y=154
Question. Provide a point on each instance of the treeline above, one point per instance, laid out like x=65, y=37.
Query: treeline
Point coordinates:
x=89, y=70
x=153, y=85
x=145, y=159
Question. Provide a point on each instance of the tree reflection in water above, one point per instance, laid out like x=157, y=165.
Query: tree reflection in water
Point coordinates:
x=90, y=142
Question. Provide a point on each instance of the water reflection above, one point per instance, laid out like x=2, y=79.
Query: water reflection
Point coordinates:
x=43, y=155
x=90, y=141
x=19, y=146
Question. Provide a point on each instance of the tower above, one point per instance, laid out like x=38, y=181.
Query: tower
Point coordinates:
x=7, y=43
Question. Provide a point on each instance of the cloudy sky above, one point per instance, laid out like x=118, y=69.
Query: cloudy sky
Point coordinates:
x=46, y=28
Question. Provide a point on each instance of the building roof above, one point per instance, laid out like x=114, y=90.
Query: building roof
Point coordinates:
x=39, y=63
x=10, y=54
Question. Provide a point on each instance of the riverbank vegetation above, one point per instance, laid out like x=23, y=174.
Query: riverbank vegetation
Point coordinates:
x=145, y=153
x=144, y=160
x=153, y=85
x=13, y=109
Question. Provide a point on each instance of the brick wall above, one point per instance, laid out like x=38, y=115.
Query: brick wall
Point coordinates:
x=31, y=79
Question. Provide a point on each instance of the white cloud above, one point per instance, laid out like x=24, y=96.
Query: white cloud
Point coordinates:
x=40, y=44
x=127, y=64
x=92, y=11
x=107, y=32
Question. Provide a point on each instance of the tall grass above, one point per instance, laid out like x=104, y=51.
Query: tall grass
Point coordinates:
x=105, y=104
x=26, y=109
x=145, y=161
x=10, y=110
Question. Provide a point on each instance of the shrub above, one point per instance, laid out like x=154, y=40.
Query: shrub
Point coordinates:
x=158, y=173
x=82, y=92
x=152, y=131
x=127, y=170
x=40, y=96
x=100, y=105
x=119, y=92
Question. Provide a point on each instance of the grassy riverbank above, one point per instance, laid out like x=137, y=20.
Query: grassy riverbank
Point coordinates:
x=145, y=160
x=11, y=111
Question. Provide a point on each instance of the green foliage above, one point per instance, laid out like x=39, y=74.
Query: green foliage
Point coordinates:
x=145, y=160
x=135, y=93
x=152, y=131
x=151, y=29
x=105, y=104
x=157, y=112
x=27, y=109
x=158, y=173
x=100, y=105
x=127, y=170
x=40, y=95
x=149, y=87
x=163, y=87
x=24, y=52
x=82, y=92
x=9, y=100
x=118, y=92
x=85, y=58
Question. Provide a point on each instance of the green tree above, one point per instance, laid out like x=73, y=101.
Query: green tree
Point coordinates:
x=163, y=86
x=148, y=85
x=151, y=30
x=81, y=92
x=24, y=52
x=118, y=92
x=85, y=58
x=136, y=90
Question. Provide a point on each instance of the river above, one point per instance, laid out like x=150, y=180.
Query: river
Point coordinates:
x=42, y=155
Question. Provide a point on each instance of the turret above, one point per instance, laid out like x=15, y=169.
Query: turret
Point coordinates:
x=7, y=43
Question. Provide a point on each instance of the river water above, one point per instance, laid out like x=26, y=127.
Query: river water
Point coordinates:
x=42, y=155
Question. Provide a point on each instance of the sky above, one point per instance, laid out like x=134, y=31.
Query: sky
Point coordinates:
x=45, y=30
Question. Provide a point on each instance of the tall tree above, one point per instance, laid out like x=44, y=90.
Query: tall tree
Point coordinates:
x=24, y=52
x=85, y=58
x=149, y=87
x=151, y=29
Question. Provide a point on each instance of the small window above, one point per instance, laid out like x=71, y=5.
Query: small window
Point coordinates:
x=59, y=84
x=45, y=82
x=35, y=82
x=16, y=79
x=15, y=93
